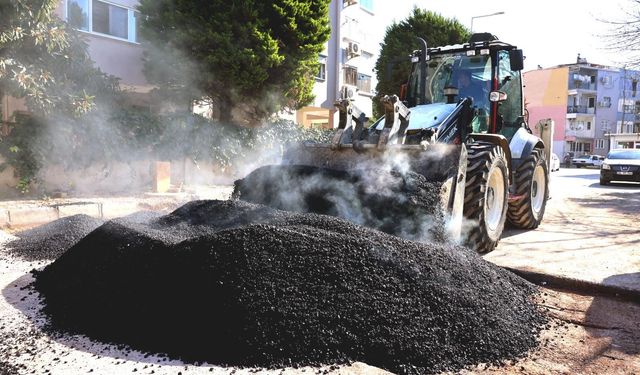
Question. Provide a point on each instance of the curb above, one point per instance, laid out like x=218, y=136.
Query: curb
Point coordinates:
x=575, y=285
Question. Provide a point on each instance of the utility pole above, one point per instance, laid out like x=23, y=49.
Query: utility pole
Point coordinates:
x=624, y=101
x=484, y=15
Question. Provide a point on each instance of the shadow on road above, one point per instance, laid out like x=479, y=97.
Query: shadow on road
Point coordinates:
x=618, y=185
x=589, y=176
x=622, y=202
x=615, y=318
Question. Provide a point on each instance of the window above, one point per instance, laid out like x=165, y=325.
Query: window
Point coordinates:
x=605, y=125
x=78, y=14
x=367, y=5
x=592, y=102
x=510, y=82
x=364, y=82
x=110, y=19
x=322, y=68
x=600, y=144
x=103, y=18
x=588, y=125
x=350, y=76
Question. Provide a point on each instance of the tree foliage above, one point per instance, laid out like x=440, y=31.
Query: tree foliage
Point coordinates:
x=623, y=36
x=130, y=135
x=44, y=62
x=248, y=58
x=394, y=66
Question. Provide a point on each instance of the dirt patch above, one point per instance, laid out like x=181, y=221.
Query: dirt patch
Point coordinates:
x=235, y=283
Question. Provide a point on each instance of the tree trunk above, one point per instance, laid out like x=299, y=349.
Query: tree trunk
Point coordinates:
x=225, y=106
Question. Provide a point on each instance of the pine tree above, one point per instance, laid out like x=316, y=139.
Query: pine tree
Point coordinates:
x=248, y=58
x=394, y=65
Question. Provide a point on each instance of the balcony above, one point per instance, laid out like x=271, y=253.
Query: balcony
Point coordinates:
x=577, y=109
x=582, y=110
x=579, y=134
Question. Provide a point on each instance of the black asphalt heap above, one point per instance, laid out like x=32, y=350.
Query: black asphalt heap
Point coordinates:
x=406, y=205
x=49, y=241
x=235, y=283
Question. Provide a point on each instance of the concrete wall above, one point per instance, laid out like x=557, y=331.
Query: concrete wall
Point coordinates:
x=121, y=59
x=546, y=97
x=122, y=177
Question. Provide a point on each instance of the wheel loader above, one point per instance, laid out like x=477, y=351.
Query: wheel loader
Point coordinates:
x=459, y=120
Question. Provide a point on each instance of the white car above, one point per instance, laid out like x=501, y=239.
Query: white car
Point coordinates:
x=554, y=164
x=588, y=161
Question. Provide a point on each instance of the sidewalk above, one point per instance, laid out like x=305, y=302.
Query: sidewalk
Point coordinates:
x=17, y=215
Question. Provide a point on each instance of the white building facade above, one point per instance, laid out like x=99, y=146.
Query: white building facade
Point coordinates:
x=346, y=64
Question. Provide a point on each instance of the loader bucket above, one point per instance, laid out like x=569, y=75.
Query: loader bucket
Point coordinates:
x=402, y=189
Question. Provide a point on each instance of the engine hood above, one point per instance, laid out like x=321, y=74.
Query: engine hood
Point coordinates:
x=622, y=161
x=425, y=116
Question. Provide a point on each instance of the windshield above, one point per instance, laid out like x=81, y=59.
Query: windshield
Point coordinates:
x=624, y=154
x=471, y=75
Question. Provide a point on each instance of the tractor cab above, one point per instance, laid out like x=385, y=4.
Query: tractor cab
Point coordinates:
x=486, y=70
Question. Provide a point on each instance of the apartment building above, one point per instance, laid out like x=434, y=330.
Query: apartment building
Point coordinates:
x=346, y=64
x=111, y=30
x=594, y=107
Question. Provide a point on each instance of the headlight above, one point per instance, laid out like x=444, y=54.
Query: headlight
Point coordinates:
x=606, y=166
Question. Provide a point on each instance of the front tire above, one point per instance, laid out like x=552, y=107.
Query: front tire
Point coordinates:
x=531, y=180
x=485, y=203
x=604, y=182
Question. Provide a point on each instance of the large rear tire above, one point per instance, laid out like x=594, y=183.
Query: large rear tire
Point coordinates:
x=531, y=180
x=485, y=202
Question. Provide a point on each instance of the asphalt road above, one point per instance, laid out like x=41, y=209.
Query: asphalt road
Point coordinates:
x=589, y=233
x=585, y=181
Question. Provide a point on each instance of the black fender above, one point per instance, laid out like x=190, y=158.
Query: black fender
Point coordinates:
x=521, y=145
x=499, y=140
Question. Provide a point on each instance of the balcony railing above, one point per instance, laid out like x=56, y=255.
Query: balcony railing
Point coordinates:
x=577, y=85
x=577, y=109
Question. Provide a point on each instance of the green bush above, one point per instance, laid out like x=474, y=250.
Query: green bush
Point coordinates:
x=130, y=135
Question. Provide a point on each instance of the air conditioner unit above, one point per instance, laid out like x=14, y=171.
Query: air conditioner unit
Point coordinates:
x=348, y=92
x=354, y=49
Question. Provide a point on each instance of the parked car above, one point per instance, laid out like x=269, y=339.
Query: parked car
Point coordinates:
x=588, y=161
x=554, y=164
x=621, y=165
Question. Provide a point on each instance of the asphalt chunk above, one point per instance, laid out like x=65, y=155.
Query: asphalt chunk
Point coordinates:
x=241, y=284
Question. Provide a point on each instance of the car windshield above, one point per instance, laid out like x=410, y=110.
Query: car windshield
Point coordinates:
x=624, y=154
x=583, y=157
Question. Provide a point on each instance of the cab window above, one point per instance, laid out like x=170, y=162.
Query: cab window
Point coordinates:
x=510, y=82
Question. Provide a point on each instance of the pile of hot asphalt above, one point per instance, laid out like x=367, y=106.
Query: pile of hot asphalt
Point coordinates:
x=403, y=204
x=241, y=284
x=49, y=241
